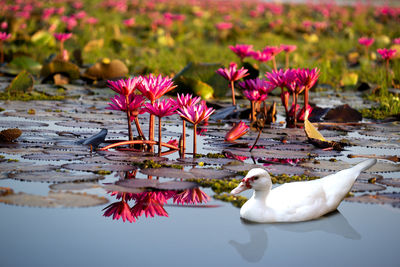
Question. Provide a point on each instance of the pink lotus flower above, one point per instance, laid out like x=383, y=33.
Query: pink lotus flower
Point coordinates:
x=161, y=108
x=288, y=48
x=173, y=142
x=62, y=37
x=261, y=56
x=223, y=26
x=154, y=87
x=232, y=73
x=119, y=210
x=236, y=132
x=272, y=50
x=129, y=22
x=304, y=113
x=242, y=50
x=191, y=196
x=396, y=41
x=282, y=78
x=4, y=36
x=257, y=84
x=254, y=95
x=70, y=22
x=135, y=104
x=4, y=25
x=386, y=54
x=307, y=78
x=195, y=113
x=150, y=204
x=365, y=41
x=125, y=87
x=186, y=100
x=92, y=20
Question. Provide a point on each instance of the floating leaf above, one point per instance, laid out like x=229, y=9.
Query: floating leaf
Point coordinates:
x=211, y=173
x=10, y=135
x=43, y=38
x=154, y=184
x=21, y=84
x=341, y=165
x=98, y=168
x=60, y=66
x=395, y=182
x=74, y=186
x=107, y=69
x=54, y=200
x=24, y=167
x=278, y=169
x=54, y=177
x=349, y=79
x=168, y=172
x=362, y=187
x=54, y=157
x=343, y=113
x=382, y=198
x=316, y=138
x=25, y=63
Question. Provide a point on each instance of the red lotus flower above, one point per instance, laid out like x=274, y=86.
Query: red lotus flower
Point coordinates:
x=307, y=78
x=186, y=100
x=129, y=22
x=119, y=210
x=261, y=56
x=282, y=78
x=195, y=113
x=154, y=87
x=396, y=41
x=272, y=50
x=242, y=50
x=232, y=73
x=236, y=132
x=260, y=85
x=161, y=108
x=135, y=104
x=125, y=87
x=365, y=41
x=4, y=36
x=386, y=54
x=304, y=113
x=255, y=95
x=150, y=204
x=191, y=196
x=223, y=26
x=288, y=48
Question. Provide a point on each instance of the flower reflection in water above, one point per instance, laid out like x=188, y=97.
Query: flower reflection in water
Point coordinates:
x=151, y=203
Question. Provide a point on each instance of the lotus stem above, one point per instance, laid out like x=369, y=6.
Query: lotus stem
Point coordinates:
x=253, y=111
x=367, y=52
x=194, y=139
x=274, y=63
x=151, y=131
x=387, y=73
x=128, y=117
x=1, y=53
x=183, y=138
x=134, y=142
x=139, y=129
x=255, y=142
x=159, y=136
x=233, y=93
x=306, y=103
x=287, y=60
x=295, y=110
x=62, y=50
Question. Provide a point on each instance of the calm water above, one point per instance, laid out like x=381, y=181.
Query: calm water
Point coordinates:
x=357, y=235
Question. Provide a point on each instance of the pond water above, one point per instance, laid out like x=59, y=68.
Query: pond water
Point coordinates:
x=209, y=234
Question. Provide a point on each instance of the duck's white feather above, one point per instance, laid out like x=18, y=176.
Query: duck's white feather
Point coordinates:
x=301, y=201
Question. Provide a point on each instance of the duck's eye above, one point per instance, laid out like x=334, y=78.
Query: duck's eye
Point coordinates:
x=256, y=177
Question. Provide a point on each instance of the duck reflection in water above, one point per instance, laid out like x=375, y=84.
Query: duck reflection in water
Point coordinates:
x=151, y=203
x=255, y=248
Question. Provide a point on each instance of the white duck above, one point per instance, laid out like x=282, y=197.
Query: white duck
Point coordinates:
x=297, y=201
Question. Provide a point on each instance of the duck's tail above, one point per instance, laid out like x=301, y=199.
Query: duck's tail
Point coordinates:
x=364, y=165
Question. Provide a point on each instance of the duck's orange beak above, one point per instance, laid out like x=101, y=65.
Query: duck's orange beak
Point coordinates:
x=240, y=188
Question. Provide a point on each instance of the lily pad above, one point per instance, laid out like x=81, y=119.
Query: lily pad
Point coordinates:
x=54, y=157
x=54, y=200
x=168, y=172
x=74, y=186
x=54, y=177
x=154, y=184
x=21, y=84
x=25, y=63
x=211, y=173
x=343, y=113
x=107, y=69
x=382, y=198
x=284, y=169
x=395, y=182
x=362, y=187
x=24, y=167
x=340, y=165
x=60, y=66
x=10, y=135
x=98, y=168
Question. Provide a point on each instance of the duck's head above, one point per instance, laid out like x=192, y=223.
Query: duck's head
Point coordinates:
x=257, y=178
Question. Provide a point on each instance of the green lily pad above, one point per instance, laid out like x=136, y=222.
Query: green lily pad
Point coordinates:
x=25, y=63
x=21, y=84
x=60, y=66
x=43, y=38
x=349, y=79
